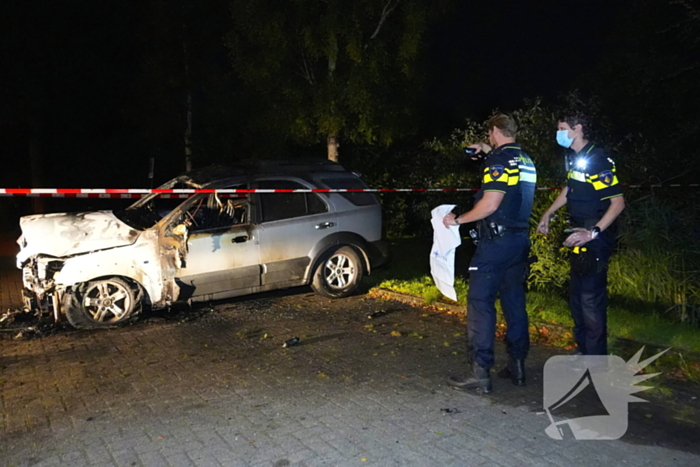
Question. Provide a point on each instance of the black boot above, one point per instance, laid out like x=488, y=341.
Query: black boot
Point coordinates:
x=515, y=370
x=478, y=378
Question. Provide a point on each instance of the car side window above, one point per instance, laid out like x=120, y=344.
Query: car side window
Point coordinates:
x=278, y=206
x=217, y=212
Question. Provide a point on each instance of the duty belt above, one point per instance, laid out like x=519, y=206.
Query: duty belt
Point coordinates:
x=492, y=230
x=585, y=223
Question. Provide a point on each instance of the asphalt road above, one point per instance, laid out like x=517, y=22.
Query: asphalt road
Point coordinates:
x=215, y=387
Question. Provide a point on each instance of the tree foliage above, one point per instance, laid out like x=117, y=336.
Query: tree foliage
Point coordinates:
x=331, y=67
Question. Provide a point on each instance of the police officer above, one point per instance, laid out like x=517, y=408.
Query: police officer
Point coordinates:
x=502, y=209
x=594, y=199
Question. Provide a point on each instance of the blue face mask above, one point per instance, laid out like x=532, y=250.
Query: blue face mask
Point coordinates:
x=563, y=138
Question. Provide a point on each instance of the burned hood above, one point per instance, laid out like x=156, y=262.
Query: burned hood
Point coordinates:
x=70, y=234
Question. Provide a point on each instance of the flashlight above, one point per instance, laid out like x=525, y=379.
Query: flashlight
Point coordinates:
x=471, y=152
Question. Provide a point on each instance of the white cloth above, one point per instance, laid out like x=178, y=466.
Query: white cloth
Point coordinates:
x=442, y=255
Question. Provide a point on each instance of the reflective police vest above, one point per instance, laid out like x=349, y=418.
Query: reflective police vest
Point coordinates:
x=510, y=171
x=592, y=182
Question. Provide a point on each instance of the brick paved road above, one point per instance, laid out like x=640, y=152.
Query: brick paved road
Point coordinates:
x=10, y=284
x=219, y=390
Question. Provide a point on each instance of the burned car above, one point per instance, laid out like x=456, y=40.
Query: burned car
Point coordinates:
x=102, y=268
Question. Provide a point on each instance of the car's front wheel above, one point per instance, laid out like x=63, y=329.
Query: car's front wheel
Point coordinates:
x=339, y=275
x=101, y=303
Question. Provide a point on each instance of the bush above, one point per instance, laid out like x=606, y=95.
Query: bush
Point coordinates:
x=408, y=213
x=551, y=270
x=657, y=258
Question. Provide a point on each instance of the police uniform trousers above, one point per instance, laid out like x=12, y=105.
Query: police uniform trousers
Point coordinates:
x=498, y=269
x=588, y=299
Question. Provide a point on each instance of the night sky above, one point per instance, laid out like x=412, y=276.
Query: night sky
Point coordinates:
x=80, y=65
x=496, y=56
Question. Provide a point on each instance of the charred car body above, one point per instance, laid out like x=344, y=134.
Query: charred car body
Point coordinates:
x=101, y=268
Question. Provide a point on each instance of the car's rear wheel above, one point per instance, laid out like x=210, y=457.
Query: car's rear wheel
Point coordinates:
x=339, y=274
x=101, y=303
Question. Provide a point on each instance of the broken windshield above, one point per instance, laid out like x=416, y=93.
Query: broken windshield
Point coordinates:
x=147, y=215
x=147, y=211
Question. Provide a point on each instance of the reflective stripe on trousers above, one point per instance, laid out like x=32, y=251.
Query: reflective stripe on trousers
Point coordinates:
x=498, y=269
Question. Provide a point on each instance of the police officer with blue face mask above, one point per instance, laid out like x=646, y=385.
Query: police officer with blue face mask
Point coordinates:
x=593, y=196
x=497, y=269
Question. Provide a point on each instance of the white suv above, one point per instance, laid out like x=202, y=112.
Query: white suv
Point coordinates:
x=101, y=268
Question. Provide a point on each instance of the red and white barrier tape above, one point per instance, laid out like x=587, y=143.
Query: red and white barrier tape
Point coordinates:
x=128, y=193
x=131, y=193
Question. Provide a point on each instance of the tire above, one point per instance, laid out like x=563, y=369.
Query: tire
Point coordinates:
x=102, y=303
x=339, y=274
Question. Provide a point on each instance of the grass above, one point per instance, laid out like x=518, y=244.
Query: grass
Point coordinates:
x=409, y=272
x=424, y=287
x=659, y=281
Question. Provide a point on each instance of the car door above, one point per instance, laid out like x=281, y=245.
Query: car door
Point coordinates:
x=222, y=257
x=290, y=225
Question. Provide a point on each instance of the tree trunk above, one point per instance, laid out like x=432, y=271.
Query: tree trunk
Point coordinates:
x=38, y=204
x=332, y=140
x=188, y=87
x=333, y=148
x=188, y=135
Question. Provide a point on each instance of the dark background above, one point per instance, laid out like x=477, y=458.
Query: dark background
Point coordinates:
x=93, y=86
x=488, y=56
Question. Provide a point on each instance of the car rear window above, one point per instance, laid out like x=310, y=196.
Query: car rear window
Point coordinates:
x=357, y=198
x=278, y=206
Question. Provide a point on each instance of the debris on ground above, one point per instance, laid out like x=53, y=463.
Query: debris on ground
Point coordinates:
x=25, y=333
x=450, y=411
x=11, y=314
x=23, y=323
x=291, y=342
x=376, y=315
